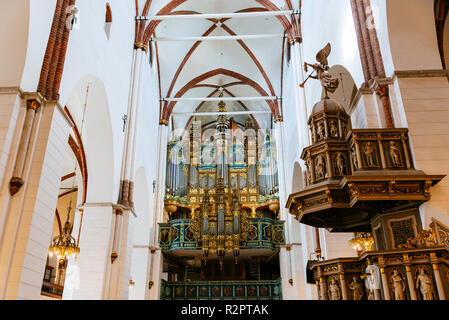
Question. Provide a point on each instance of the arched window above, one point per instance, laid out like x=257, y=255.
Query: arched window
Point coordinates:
x=108, y=20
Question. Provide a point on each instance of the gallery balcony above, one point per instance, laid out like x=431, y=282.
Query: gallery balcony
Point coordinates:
x=264, y=233
x=222, y=290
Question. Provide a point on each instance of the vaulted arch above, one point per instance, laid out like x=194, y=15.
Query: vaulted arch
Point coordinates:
x=168, y=107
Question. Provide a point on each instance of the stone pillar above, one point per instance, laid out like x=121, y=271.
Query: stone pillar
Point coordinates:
x=323, y=288
x=126, y=184
x=411, y=285
x=344, y=288
x=440, y=288
x=28, y=216
x=121, y=254
x=286, y=263
x=93, y=264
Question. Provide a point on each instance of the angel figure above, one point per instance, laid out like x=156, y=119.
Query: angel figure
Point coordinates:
x=329, y=83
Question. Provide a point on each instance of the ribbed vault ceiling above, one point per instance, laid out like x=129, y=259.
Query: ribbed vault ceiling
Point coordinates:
x=250, y=67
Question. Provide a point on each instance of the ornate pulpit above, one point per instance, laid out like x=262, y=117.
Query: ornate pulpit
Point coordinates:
x=365, y=181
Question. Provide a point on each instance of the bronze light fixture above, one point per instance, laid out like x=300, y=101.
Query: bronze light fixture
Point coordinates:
x=64, y=245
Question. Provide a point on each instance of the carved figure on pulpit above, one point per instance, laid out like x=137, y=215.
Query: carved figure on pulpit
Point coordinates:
x=333, y=129
x=425, y=285
x=320, y=167
x=395, y=153
x=354, y=159
x=356, y=288
x=398, y=286
x=334, y=290
x=369, y=154
x=309, y=171
x=340, y=164
x=320, y=131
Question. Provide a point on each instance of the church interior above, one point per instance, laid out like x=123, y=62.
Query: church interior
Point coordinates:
x=224, y=150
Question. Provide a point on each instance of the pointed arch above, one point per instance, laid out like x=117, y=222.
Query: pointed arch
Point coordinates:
x=169, y=106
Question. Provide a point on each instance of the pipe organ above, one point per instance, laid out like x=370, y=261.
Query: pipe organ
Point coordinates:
x=222, y=195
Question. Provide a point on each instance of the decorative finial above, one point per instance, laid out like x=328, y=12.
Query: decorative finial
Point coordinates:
x=329, y=83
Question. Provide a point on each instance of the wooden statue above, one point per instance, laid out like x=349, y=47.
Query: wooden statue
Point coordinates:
x=328, y=82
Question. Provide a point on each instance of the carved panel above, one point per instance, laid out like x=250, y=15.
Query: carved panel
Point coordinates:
x=370, y=155
x=394, y=154
x=401, y=230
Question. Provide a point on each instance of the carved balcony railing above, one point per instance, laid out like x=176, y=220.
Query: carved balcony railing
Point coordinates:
x=52, y=290
x=222, y=290
x=264, y=233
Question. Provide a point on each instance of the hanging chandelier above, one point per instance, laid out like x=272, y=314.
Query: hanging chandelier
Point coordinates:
x=64, y=245
x=362, y=241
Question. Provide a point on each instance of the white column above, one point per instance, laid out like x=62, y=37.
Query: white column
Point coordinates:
x=411, y=285
x=129, y=113
x=386, y=290
x=122, y=244
x=440, y=287
x=126, y=252
x=133, y=118
x=300, y=95
x=286, y=253
x=155, y=258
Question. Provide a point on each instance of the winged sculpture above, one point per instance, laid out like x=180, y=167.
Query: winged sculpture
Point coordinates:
x=329, y=83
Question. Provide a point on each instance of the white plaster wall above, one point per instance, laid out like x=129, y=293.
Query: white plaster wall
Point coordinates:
x=412, y=34
x=14, y=21
x=425, y=102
